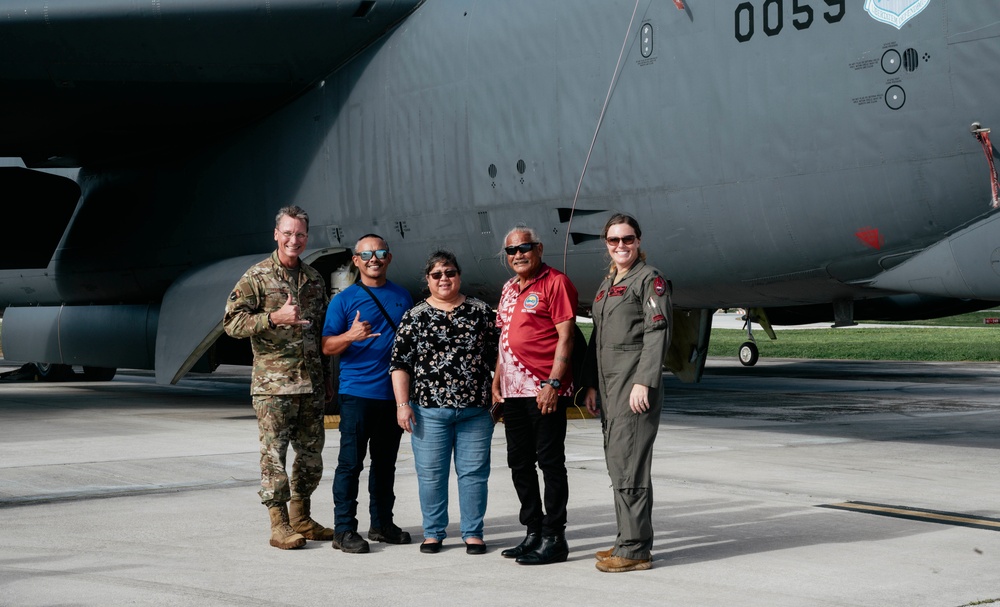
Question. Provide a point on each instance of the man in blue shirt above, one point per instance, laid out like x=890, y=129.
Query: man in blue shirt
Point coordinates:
x=361, y=327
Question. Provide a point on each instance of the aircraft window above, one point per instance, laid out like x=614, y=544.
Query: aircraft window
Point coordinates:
x=646, y=35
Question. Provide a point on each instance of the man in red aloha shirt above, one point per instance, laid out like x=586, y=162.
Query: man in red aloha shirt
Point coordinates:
x=534, y=381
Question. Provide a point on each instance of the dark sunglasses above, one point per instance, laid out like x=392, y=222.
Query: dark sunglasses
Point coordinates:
x=366, y=255
x=448, y=273
x=626, y=240
x=524, y=247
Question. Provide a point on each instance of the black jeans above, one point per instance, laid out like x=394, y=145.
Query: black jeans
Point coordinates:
x=535, y=438
x=365, y=421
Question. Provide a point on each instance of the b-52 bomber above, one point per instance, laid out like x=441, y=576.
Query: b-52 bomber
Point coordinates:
x=807, y=160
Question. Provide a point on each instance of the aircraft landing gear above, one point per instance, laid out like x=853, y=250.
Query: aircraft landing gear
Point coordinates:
x=748, y=353
x=53, y=372
x=99, y=373
x=61, y=372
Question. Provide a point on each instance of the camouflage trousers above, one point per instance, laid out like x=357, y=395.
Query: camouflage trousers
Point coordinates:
x=284, y=419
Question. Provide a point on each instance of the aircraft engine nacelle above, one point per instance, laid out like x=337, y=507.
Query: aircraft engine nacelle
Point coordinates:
x=98, y=336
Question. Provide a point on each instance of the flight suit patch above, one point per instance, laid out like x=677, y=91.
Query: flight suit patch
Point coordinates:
x=600, y=296
x=660, y=286
x=617, y=291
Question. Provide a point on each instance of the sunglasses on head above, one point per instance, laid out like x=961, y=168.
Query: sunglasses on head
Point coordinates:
x=366, y=255
x=627, y=240
x=450, y=273
x=524, y=247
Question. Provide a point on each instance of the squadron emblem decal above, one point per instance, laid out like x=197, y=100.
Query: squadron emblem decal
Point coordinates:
x=660, y=286
x=895, y=12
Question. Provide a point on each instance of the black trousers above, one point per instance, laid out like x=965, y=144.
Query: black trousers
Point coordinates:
x=533, y=438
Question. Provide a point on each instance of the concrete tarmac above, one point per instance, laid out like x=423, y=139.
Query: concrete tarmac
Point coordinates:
x=129, y=493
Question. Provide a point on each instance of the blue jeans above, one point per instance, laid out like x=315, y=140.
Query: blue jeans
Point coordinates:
x=437, y=434
x=364, y=422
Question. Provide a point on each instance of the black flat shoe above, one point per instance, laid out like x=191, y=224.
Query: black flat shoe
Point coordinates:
x=475, y=548
x=430, y=547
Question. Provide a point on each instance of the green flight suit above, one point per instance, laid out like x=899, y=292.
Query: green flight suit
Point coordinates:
x=632, y=321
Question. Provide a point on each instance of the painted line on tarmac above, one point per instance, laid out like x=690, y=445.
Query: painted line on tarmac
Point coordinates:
x=920, y=514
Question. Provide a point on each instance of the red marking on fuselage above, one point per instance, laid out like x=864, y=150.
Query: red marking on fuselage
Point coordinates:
x=870, y=237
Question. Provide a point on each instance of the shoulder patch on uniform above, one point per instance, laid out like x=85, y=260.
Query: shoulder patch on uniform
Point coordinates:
x=660, y=286
x=600, y=296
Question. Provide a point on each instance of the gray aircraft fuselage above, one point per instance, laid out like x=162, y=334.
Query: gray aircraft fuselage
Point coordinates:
x=777, y=153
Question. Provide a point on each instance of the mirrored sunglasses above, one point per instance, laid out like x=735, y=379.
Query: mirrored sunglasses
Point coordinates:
x=367, y=255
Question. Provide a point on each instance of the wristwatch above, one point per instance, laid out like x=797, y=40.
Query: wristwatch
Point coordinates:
x=555, y=383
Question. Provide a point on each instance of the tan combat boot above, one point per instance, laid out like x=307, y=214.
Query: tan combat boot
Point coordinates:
x=298, y=513
x=282, y=535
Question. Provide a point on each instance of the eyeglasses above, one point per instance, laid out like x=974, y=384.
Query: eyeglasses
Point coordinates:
x=451, y=273
x=367, y=255
x=625, y=240
x=298, y=235
x=524, y=247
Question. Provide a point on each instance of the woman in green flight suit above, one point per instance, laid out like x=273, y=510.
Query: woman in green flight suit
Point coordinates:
x=632, y=320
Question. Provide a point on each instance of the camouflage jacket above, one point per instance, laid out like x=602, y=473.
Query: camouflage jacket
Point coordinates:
x=286, y=360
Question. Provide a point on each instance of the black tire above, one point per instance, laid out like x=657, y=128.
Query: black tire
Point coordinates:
x=99, y=373
x=53, y=371
x=748, y=354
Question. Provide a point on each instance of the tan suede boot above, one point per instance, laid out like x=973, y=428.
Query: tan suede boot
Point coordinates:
x=298, y=513
x=282, y=535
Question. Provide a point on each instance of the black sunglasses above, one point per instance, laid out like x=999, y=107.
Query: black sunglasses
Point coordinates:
x=366, y=255
x=449, y=273
x=524, y=247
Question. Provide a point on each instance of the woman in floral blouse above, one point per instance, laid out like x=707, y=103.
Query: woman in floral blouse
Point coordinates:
x=445, y=349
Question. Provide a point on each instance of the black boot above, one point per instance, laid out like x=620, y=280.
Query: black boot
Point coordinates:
x=553, y=549
x=529, y=543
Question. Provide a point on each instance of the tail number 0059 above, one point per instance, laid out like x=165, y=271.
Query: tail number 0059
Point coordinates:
x=773, y=16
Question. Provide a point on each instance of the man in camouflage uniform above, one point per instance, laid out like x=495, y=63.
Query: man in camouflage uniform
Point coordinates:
x=280, y=304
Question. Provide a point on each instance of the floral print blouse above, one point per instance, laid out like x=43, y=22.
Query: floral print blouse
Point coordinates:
x=450, y=356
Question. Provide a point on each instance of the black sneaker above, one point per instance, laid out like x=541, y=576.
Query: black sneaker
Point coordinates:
x=390, y=534
x=350, y=542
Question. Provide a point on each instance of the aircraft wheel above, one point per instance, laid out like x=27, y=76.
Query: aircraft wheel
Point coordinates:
x=749, y=354
x=99, y=373
x=53, y=371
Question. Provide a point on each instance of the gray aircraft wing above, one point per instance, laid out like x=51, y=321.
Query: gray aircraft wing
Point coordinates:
x=86, y=82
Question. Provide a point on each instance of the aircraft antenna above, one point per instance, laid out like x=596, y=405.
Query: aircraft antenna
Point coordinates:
x=600, y=120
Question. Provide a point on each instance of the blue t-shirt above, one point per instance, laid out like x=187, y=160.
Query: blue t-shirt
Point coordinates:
x=364, y=365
